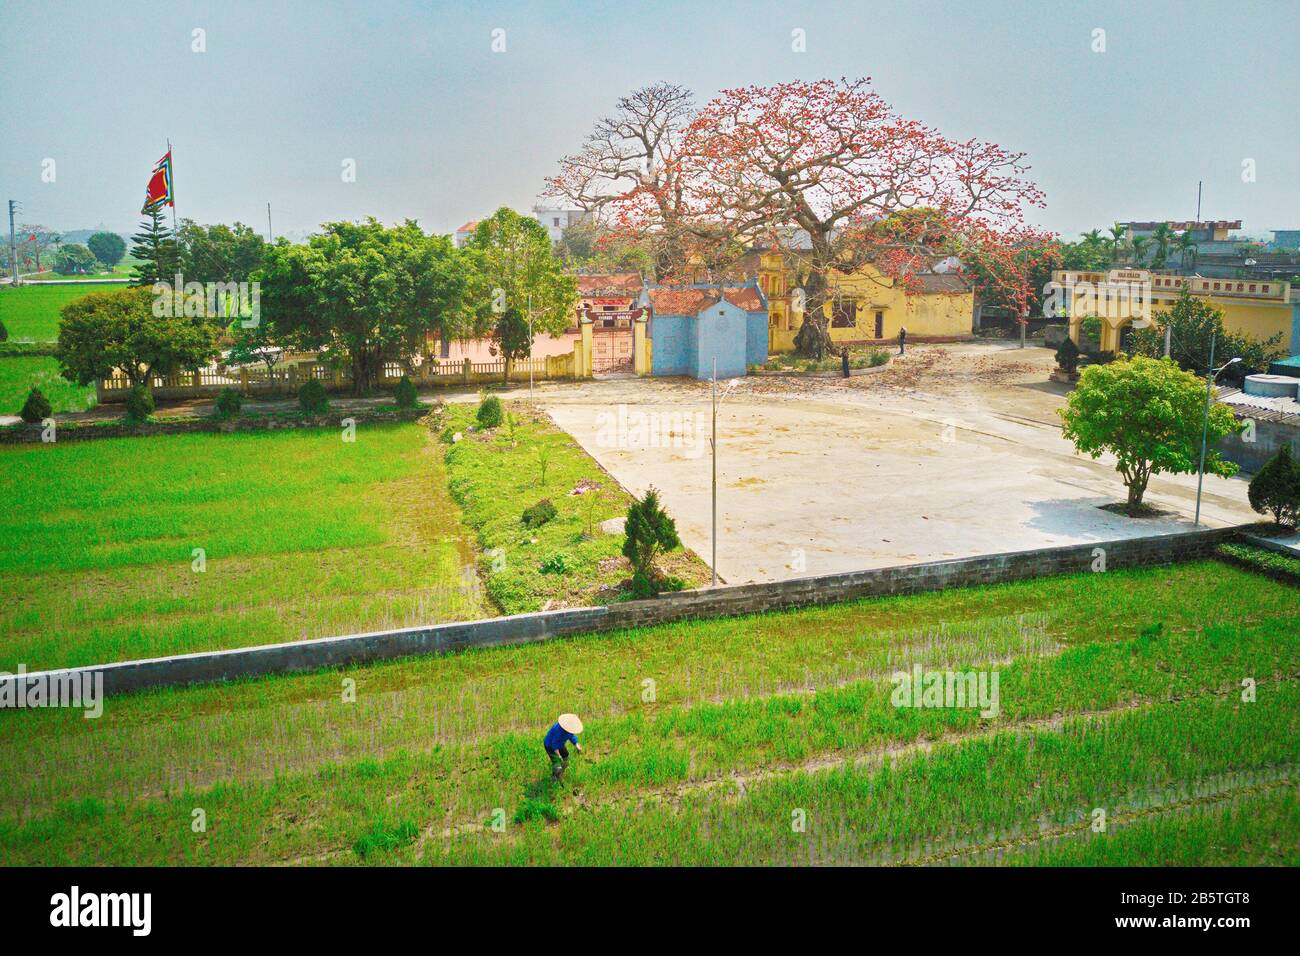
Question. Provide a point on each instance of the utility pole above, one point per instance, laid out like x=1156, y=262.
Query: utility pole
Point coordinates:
x=1198, y=201
x=713, y=445
x=1169, y=338
x=13, y=243
x=270, y=235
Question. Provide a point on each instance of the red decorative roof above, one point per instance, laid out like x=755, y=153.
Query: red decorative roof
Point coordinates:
x=469, y=226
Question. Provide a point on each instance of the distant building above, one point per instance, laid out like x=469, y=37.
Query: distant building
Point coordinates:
x=555, y=221
x=1285, y=239
x=464, y=232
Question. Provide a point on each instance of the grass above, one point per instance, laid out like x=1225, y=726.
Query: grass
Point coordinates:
x=1113, y=694
x=20, y=374
x=858, y=358
x=496, y=474
x=302, y=536
x=31, y=312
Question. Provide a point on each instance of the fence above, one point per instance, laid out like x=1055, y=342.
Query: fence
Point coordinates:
x=285, y=380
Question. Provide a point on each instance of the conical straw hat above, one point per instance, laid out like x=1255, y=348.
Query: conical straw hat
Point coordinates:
x=571, y=723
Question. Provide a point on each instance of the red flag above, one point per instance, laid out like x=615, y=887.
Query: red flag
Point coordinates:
x=159, y=191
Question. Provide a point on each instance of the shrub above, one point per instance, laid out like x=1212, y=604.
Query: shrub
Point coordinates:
x=1276, y=488
x=558, y=563
x=229, y=402
x=537, y=515
x=404, y=394
x=877, y=357
x=1067, y=355
x=489, y=412
x=312, y=397
x=36, y=408
x=649, y=532
x=139, y=404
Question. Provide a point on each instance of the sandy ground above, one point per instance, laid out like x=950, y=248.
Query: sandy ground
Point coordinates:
x=954, y=451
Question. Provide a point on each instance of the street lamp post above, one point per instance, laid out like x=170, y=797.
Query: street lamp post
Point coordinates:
x=1205, y=424
x=530, y=346
x=713, y=446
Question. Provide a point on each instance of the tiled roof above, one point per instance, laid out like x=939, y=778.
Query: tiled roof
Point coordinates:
x=941, y=282
x=681, y=301
x=614, y=282
x=746, y=298
x=469, y=226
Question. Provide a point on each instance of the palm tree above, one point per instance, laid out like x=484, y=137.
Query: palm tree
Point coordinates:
x=1092, y=237
x=1162, y=236
x=1138, y=245
x=1116, y=240
x=1187, y=248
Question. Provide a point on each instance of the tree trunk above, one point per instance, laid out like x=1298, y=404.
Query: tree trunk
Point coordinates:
x=813, y=340
x=1136, y=489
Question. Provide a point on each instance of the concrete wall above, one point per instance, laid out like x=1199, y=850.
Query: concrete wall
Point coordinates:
x=756, y=338
x=1269, y=437
x=673, y=340
x=701, y=603
x=721, y=332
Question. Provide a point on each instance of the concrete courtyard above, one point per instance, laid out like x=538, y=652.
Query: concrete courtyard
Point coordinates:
x=955, y=450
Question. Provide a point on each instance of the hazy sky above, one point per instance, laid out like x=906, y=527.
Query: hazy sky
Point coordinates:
x=443, y=130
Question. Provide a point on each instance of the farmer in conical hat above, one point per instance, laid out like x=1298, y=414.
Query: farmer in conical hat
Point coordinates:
x=565, y=730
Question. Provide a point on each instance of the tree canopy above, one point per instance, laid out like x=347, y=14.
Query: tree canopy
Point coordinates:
x=104, y=331
x=1148, y=413
x=108, y=248
x=514, y=267
x=365, y=293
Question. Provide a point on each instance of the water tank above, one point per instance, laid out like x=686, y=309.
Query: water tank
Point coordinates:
x=1272, y=386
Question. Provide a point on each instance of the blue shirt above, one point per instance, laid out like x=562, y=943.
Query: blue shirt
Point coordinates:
x=556, y=738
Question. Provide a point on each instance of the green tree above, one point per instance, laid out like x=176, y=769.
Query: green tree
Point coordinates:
x=219, y=253
x=365, y=293
x=513, y=337
x=107, y=247
x=514, y=267
x=1162, y=237
x=1115, y=240
x=1194, y=322
x=1188, y=250
x=74, y=259
x=1148, y=413
x=1276, y=488
x=649, y=532
x=36, y=239
x=105, y=331
x=154, y=249
x=37, y=407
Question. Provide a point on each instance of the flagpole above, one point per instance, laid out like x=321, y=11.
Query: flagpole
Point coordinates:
x=172, y=162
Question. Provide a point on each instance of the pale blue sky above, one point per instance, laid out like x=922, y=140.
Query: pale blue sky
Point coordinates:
x=444, y=130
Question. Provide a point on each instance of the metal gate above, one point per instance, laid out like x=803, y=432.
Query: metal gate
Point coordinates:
x=611, y=350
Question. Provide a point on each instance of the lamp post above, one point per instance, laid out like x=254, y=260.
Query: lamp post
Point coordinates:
x=530, y=346
x=1205, y=424
x=713, y=447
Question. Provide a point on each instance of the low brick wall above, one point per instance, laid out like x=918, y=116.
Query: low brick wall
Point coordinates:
x=684, y=605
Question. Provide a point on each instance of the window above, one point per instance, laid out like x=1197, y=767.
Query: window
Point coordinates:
x=880, y=324
x=844, y=314
x=555, y=220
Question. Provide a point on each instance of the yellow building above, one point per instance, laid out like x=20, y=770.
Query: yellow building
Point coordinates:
x=1122, y=298
x=867, y=306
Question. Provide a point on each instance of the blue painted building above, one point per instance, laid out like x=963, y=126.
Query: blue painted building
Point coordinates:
x=691, y=326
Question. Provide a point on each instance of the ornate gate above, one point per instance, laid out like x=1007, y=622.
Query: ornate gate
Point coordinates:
x=611, y=342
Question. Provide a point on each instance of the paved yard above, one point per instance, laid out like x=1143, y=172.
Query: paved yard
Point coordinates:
x=954, y=451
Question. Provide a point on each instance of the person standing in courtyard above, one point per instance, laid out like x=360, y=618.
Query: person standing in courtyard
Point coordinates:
x=564, y=731
x=902, y=339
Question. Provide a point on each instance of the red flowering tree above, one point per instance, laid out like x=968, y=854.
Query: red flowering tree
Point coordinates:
x=827, y=172
x=626, y=176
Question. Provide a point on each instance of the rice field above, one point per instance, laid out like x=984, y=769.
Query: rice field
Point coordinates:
x=769, y=739
x=139, y=547
x=31, y=312
x=20, y=374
